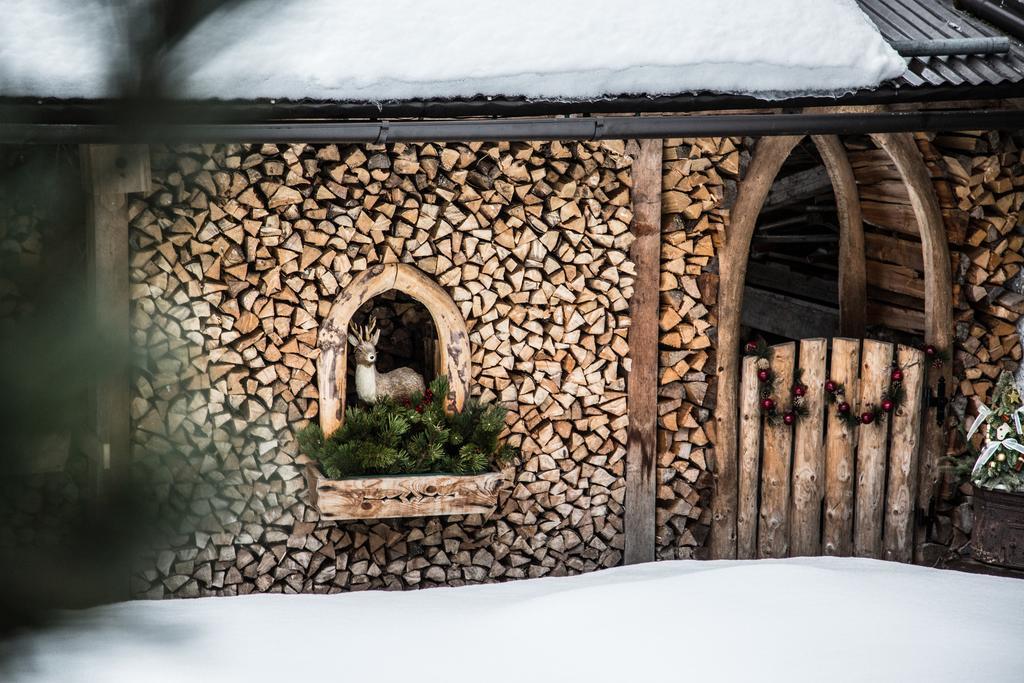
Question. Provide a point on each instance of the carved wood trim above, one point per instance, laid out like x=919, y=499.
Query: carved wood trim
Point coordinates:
x=423, y=495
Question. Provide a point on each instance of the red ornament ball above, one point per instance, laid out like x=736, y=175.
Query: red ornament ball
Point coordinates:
x=799, y=390
x=843, y=407
x=831, y=386
x=789, y=417
x=768, y=404
x=762, y=375
x=867, y=418
x=897, y=375
x=888, y=405
x=751, y=347
x=929, y=350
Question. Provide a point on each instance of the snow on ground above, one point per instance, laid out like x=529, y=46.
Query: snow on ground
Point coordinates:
x=373, y=50
x=813, y=619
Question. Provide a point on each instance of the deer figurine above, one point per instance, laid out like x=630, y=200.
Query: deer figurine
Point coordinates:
x=370, y=384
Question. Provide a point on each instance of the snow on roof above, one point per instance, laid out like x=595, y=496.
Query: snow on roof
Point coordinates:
x=58, y=48
x=375, y=50
x=805, y=619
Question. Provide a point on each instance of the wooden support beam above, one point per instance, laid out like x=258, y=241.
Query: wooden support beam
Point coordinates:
x=642, y=388
x=852, y=276
x=111, y=172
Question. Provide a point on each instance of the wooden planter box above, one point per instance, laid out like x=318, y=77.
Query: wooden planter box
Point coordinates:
x=998, y=535
x=417, y=495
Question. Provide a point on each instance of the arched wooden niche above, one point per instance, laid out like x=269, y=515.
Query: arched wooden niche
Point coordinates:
x=768, y=158
x=333, y=339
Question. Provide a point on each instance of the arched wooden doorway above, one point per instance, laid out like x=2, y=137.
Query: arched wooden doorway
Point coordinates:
x=333, y=340
x=767, y=160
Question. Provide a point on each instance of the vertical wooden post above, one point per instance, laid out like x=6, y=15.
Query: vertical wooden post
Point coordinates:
x=110, y=173
x=642, y=389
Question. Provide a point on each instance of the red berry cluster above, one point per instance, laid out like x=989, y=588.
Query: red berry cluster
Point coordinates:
x=421, y=405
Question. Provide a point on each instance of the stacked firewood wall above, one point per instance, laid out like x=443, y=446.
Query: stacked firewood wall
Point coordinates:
x=985, y=172
x=237, y=256
x=979, y=181
x=699, y=184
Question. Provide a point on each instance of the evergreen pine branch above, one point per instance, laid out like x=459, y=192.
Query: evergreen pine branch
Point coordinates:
x=389, y=437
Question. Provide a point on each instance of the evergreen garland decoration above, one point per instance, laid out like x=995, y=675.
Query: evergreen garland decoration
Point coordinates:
x=770, y=410
x=412, y=436
x=892, y=398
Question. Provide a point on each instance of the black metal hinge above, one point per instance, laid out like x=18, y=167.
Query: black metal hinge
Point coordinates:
x=939, y=401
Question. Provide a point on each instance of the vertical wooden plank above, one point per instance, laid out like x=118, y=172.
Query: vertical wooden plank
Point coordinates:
x=642, y=383
x=768, y=158
x=809, y=454
x=773, y=525
x=938, y=291
x=869, y=505
x=901, y=492
x=837, y=536
x=110, y=172
x=750, y=462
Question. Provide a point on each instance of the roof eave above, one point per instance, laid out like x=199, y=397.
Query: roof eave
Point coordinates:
x=43, y=111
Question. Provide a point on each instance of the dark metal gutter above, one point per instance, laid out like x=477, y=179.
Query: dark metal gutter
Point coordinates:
x=54, y=111
x=577, y=128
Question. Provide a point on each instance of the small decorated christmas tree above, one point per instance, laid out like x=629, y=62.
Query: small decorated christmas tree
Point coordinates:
x=1000, y=464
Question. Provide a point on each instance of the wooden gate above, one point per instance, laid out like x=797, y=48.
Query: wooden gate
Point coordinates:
x=824, y=486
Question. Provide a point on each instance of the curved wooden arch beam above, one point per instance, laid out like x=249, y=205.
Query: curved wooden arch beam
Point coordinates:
x=451, y=329
x=938, y=293
x=333, y=338
x=852, y=268
x=767, y=160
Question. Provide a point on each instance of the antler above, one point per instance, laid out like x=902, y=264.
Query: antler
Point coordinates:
x=365, y=333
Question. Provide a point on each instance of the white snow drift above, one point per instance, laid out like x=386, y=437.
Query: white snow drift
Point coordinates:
x=373, y=50
x=821, y=619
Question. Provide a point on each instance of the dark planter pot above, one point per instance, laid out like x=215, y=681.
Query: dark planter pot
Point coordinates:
x=998, y=535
